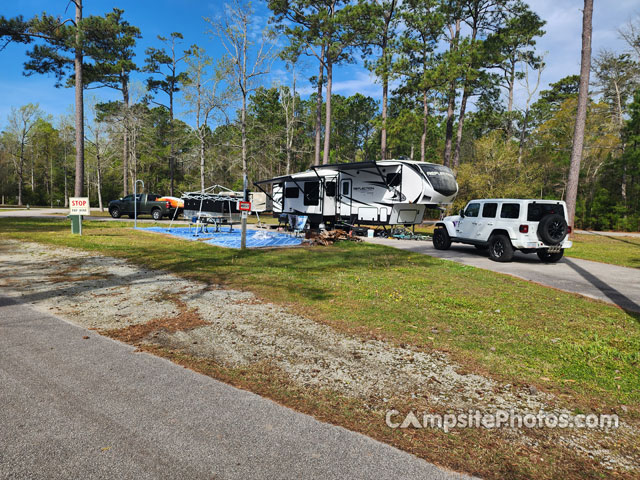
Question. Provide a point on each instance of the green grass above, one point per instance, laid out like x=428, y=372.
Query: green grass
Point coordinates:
x=624, y=251
x=491, y=323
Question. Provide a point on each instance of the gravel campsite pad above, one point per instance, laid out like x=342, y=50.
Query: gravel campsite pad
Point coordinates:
x=234, y=328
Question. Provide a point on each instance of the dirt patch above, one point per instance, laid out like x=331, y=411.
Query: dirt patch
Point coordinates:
x=233, y=331
x=185, y=319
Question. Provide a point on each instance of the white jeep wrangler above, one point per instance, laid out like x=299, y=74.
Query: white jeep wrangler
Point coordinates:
x=505, y=225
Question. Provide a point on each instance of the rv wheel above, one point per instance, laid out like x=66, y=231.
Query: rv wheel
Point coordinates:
x=441, y=239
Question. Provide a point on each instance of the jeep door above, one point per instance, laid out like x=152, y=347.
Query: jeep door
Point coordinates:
x=487, y=221
x=467, y=225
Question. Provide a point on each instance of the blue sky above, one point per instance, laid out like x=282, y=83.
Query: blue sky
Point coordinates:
x=561, y=45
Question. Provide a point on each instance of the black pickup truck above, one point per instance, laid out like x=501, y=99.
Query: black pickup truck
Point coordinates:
x=148, y=204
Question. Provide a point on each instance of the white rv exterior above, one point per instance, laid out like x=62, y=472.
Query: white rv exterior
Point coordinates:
x=387, y=192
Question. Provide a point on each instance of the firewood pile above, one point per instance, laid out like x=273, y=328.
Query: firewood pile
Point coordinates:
x=329, y=237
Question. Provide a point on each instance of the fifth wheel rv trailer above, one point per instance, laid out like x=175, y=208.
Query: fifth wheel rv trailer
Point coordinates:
x=387, y=192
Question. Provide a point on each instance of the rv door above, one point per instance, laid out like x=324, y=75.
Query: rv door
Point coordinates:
x=330, y=194
x=344, y=204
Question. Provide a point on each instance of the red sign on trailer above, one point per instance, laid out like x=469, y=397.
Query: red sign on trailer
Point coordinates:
x=244, y=206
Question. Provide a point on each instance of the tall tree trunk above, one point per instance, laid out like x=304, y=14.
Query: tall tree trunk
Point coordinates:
x=202, y=133
x=316, y=160
x=66, y=185
x=388, y=16
x=425, y=125
x=383, y=131
x=125, y=137
x=449, y=129
x=623, y=186
x=172, y=163
x=451, y=104
x=463, y=109
x=291, y=126
x=581, y=116
x=51, y=180
x=511, y=82
x=523, y=133
x=99, y=180
x=79, y=185
x=20, y=174
x=243, y=131
x=327, y=120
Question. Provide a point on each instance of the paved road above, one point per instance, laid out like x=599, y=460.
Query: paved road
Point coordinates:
x=93, y=408
x=610, y=283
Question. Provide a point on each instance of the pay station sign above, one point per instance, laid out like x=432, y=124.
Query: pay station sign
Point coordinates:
x=79, y=206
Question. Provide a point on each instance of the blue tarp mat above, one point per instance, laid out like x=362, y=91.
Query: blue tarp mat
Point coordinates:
x=230, y=239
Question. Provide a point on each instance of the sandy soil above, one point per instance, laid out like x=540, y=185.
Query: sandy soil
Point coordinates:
x=105, y=293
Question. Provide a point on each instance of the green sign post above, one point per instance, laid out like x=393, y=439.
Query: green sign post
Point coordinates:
x=78, y=206
x=76, y=224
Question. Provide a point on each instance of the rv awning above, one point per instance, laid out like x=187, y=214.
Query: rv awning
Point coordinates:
x=346, y=166
x=341, y=167
x=281, y=179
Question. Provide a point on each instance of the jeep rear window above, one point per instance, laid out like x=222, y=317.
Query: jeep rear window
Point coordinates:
x=510, y=210
x=489, y=210
x=535, y=211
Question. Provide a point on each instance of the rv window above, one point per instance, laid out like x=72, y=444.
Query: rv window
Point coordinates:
x=394, y=179
x=510, y=210
x=441, y=178
x=345, y=188
x=330, y=189
x=311, y=193
x=489, y=210
x=291, y=192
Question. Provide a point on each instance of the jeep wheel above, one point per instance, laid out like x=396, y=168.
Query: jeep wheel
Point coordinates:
x=156, y=214
x=552, y=229
x=500, y=248
x=115, y=212
x=546, y=257
x=441, y=239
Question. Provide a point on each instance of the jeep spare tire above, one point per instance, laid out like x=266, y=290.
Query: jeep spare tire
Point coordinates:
x=552, y=229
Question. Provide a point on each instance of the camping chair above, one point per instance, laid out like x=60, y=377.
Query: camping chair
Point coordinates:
x=300, y=223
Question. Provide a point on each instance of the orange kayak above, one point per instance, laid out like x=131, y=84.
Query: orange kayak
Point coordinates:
x=174, y=201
